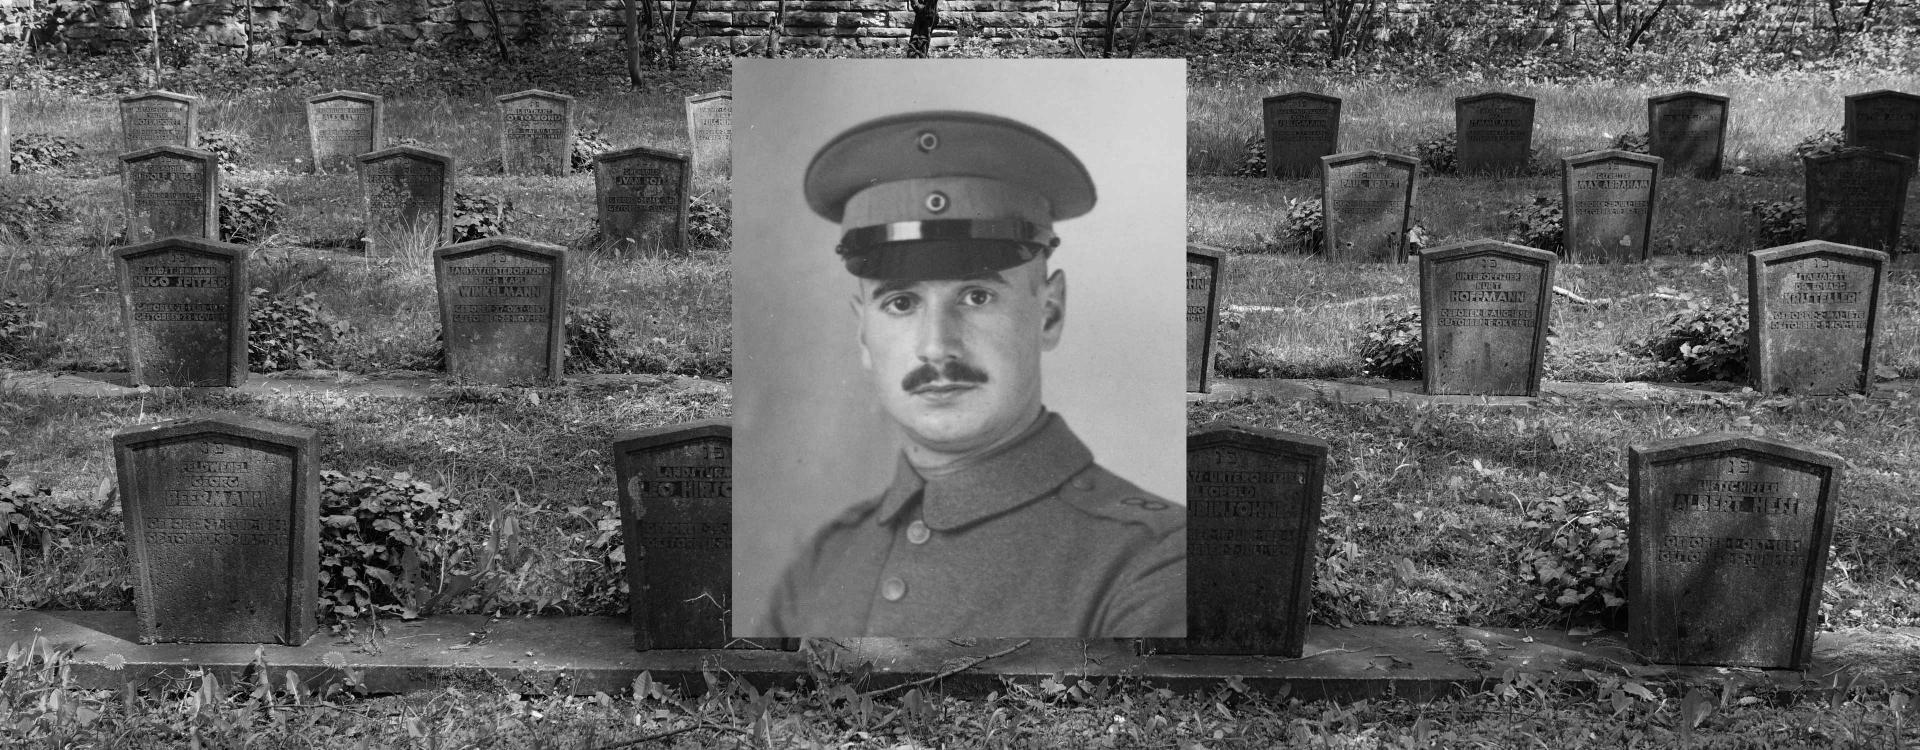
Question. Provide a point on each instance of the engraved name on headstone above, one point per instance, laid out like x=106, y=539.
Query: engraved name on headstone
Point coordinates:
x=643, y=198
x=171, y=191
x=1483, y=311
x=1609, y=199
x=676, y=510
x=1204, y=266
x=1366, y=198
x=710, y=129
x=1493, y=133
x=342, y=125
x=503, y=310
x=1857, y=197
x=1301, y=127
x=222, y=519
x=1885, y=121
x=1689, y=131
x=1728, y=549
x=1812, y=317
x=536, y=132
x=159, y=118
x=184, y=303
x=407, y=197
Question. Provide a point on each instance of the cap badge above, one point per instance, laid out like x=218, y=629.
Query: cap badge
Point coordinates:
x=936, y=201
x=928, y=141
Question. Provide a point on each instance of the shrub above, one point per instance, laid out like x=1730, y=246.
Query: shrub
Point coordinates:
x=478, y=216
x=17, y=328
x=228, y=148
x=23, y=215
x=1819, y=144
x=1392, y=348
x=1538, y=224
x=708, y=224
x=1580, y=561
x=248, y=215
x=596, y=343
x=1438, y=155
x=1639, y=143
x=1781, y=222
x=1705, y=341
x=43, y=152
x=1303, y=226
x=586, y=145
x=379, y=536
x=287, y=332
x=1254, y=164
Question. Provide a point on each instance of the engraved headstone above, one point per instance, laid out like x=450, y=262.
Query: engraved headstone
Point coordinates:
x=536, y=132
x=1609, y=199
x=222, y=518
x=1366, y=198
x=1728, y=549
x=342, y=125
x=710, y=129
x=1812, y=316
x=159, y=118
x=643, y=198
x=1204, y=265
x=1483, y=312
x=171, y=192
x=1857, y=197
x=1253, y=525
x=1493, y=133
x=503, y=310
x=184, y=303
x=407, y=197
x=1301, y=127
x=1885, y=121
x=1689, y=131
x=676, y=511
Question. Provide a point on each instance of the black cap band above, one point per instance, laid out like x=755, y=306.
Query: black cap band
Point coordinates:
x=939, y=259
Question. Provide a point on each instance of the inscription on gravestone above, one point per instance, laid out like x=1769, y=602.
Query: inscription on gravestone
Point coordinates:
x=536, y=132
x=1885, y=121
x=1689, y=131
x=1301, y=127
x=676, y=510
x=184, y=303
x=503, y=309
x=1812, y=312
x=1728, y=549
x=1367, y=199
x=342, y=125
x=643, y=198
x=407, y=196
x=171, y=191
x=1483, y=311
x=1609, y=198
x=1857, y=197
x=222, y=520
x=1493, y=133
x=710, y=128
x=1204, y=265
x=159, y=118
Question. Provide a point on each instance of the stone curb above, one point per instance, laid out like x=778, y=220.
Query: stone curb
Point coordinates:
x=115, y=384
x=1633, y=393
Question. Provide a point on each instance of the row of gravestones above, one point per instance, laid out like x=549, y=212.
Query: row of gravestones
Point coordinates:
x=1812, y=311
x=1494, y=131
x=1728, y=538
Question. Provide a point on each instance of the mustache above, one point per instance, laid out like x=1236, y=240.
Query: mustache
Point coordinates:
x=951, y=370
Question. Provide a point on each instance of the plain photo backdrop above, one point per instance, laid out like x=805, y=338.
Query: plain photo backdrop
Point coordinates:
x=810, y=438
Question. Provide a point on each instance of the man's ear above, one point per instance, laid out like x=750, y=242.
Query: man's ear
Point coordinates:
x=860, y=330
x=1054, y=310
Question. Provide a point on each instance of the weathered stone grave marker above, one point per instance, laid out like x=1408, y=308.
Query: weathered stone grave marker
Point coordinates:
x=171, y=191
x=1204, y=266
x=6, y=135
x=1366, y=199
x=1609, y=199
x=184, y=304
x=643, y=198
x=1857, y=197
x=503, y=310
x=1885, y=121
x=710, y=129
x=1728, y=549
x=1493, y=133
x=1253, y=525
x=676, y=510
x=1812, y=317
x=1301, y=127
x=342, y=125
x=1689, y=131
x=407, y=196
x=159, y=118
x=222, y=519
x=536, y=132
x=1483, y=313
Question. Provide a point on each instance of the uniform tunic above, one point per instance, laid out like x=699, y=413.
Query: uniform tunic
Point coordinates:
x=1034, y=540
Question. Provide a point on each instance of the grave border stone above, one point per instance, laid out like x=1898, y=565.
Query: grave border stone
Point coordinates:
x=193, y=116
x=1654, y=142
x=237, y=301
x=556, y=349
x=1273, y=150
x=685, y=188
x=447, y=163
x=1760, y=350
x=379, y=114
x=1572, y=224
x=1542, y=311
x=1642, y=620
x=1809, y=163
x=1852, y=104
x=1329, y=238
x=303, y=525
x=1216, y=261
x=211, y=203
x=693, y=131
x=652, y=439
x=569, y=106
x=1460, y=133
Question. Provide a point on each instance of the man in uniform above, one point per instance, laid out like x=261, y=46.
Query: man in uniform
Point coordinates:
x=998, y=522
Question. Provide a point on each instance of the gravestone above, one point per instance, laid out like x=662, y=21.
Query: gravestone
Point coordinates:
x=710, y=129
x=643, y=198
x=342, y=125
x=1812, y=317
x=1493, y=133
x=1609, y=199
x=1253, y=525
x=222, y=518
x=1728, y=549
x=6, y=136
x=1366, y=199
x=1483, y=315
x=1884, y=121
x=676, y=511
x=503, y=310
x=159, y=118
x=1301, y=127
x=1857, y=197
x=1204, y=265
x=184, y=304
x=1689, y=131
x=536, y=132
x=407, y=197
x=171, y=192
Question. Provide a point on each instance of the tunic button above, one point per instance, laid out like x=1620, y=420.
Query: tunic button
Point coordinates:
x=917, y=532
x=893, y=589
x=1082, y=483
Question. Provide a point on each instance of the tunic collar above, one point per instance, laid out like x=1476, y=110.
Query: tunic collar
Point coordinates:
x=1016, y=474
